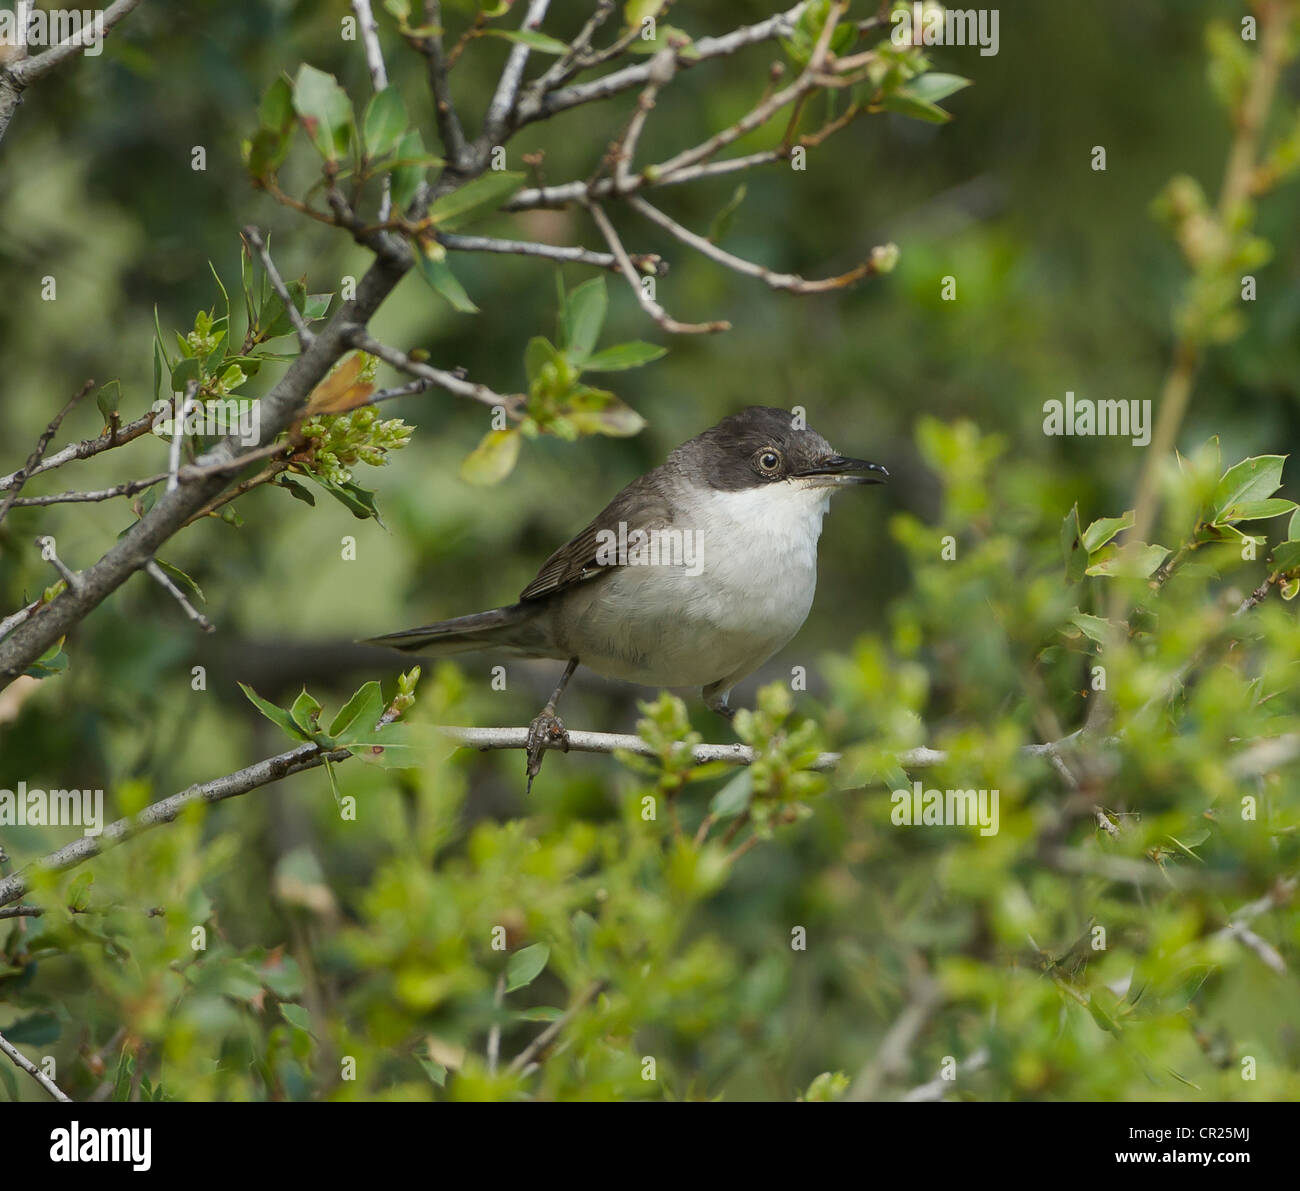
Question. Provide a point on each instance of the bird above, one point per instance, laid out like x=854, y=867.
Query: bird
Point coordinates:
x=695, y=574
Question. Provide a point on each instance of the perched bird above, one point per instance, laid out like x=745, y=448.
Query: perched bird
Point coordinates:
x=694, y=575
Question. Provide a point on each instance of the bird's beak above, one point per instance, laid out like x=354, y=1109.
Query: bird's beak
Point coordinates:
x=835, y=470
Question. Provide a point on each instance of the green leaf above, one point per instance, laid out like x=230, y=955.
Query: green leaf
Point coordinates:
x=385, y=122
x=296, y=490
x=325, y=111
x=1100, y=532
x=623, y=356
x=305, y=712
x=78, y=895
x=530, y=38
x=493, y=459
x=526, y=965
x=734, y=797
x=1286, y=558
x=538, y=353
x=52, y=661
x=918, y=109
x=185, y=371
x=35, y=1030
x=1076, y=557
x=107, y=399
x=275, y=114
x=359, y=714
x=476, y=199
x=1095, y=628
x=1135, y=558
x=277, y=715
x=602, y=413
x=182, y=578
x=1256, y=510
x=436, y=1072
x=443, y=281
x=296, y=1016
x=1250, y=480
x=540, y=1013
x=395, y=746
x=934, y=86
x=584, y=315
x=410, y=170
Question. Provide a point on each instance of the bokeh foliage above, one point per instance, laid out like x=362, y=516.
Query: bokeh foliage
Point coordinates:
x=371, y=938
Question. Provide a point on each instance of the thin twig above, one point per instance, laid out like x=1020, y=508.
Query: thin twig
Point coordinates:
x=33, y=1070
x=305, y=335
x=444, y=111
x=30, y=69
x=160, y=576
x=648, y=304
x=378, y=80
x=649, y=263
x=548, y=1035
x=449, y=381
x=502, y=106
x=21, y=476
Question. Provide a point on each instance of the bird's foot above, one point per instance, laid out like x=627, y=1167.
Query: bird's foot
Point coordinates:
x=546, y=731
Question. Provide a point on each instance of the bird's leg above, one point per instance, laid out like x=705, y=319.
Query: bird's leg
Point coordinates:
x=547, y=730
x=716, y=700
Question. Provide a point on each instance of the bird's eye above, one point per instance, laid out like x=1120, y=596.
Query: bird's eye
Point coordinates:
x=769, y=461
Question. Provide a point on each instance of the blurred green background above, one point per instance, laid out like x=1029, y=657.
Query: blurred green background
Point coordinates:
x=1064, y=282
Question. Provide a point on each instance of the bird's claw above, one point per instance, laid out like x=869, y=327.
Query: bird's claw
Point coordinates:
x=546, y=731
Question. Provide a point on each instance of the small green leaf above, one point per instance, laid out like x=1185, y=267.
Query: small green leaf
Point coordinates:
x=359, y=714
x=1250, y=480
x=296, y=1016
x=538, y=353
x=34, y=1030
x=325, y=111
x=1076, y=557
x=540, y=1013
x=734, y=797
x=493, y=459
x=1100, y=532
x=277, y=715
x=305, y=712
x=107, y=399
x=275, y=114
x=623, y=356
x=436, y=1072
x=526, y=965
x=476, y=199
x=1095, y=628
x=385, y=122
x=1286, y=558
x=78, y=895
x=1255, y=510
x=443, y=281
x=918, y=109
x=584, y=315
x=530, y=38
x=1138, y=559
x=934, y=86
x=409, y=171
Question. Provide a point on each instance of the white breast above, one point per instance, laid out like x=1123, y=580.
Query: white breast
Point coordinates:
x=662, y=626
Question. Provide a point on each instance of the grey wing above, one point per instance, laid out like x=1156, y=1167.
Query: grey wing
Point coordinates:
x=640, y=505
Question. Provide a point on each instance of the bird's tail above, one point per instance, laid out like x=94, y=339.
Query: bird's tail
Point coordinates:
x=513, y=628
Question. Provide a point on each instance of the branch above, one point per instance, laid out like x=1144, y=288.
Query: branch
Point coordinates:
x=21, y=476
x=648, y=304
x=891, y=1055
x=705, y=48
x=646, y=262
x=378, y=80
x=160, y=576
x=502, y=106
x=791, y=282
x=939, y=1087
x=449, y=129
x=358, y=338
x=116, y=437
x=33, y=1070
x=305, y=335
x=30, y=69
x=521, y=1061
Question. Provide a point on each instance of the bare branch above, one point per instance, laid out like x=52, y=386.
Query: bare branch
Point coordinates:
x=33, y=1070
x=646, y=262
x=69, y=576
x=29, y=468
x=568, y=64
x=161, y=577
x=378, y=79
x=791, y=282
x=449, y=129
x=449, y=381
x=648, y=304
x=305, y=335
x=128, y=488
x=618, y=81
x=21, y=912
x=117, y=437
x=503, y=101
x=30, y=69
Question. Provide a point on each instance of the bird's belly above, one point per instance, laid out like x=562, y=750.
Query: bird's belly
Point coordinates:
x=662, y=626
